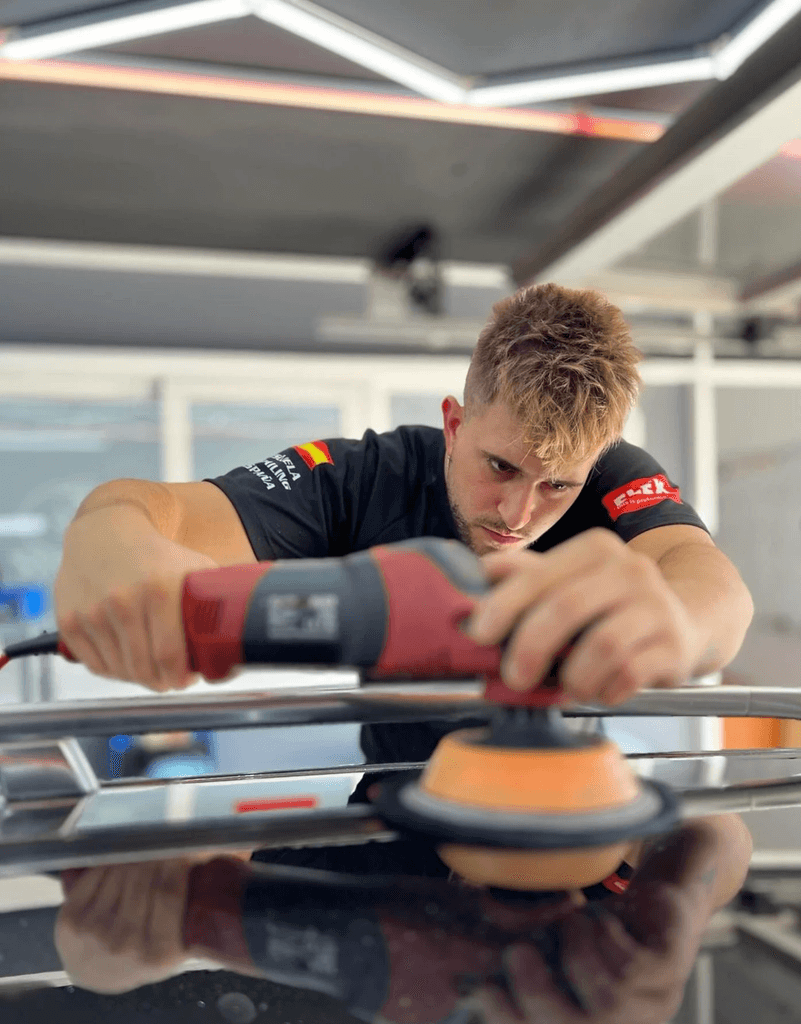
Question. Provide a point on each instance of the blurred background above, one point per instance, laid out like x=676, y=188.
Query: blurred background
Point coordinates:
x=229, y=226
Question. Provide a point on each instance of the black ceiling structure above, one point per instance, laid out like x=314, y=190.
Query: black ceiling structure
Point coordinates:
x=84, y=160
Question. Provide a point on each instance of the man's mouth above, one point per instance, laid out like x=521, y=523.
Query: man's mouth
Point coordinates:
x=502, y=538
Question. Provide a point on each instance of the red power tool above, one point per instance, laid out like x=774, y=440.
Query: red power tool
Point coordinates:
x=392, y=611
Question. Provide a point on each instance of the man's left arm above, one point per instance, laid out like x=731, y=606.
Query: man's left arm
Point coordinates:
x=708, y=585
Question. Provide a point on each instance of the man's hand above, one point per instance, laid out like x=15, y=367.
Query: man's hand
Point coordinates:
x=627, y=960
x=118, y=598
x=629, y=629
x=627, y=964
x=122, y=927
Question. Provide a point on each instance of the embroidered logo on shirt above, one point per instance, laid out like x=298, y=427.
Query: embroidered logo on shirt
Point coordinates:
x=640, y=494
x=314, y=454
x=278, y=469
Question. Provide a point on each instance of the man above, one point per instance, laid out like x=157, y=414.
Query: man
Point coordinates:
x=587, y=540
x=532, y=460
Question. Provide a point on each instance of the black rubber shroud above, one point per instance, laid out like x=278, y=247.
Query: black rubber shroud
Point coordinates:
x=397, y=814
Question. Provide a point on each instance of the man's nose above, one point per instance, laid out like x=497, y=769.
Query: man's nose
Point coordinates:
x=516, y=507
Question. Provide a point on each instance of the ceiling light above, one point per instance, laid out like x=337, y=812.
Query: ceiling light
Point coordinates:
x=593, y=83
x=755, y=33
x=134, y=21
x=364, y=48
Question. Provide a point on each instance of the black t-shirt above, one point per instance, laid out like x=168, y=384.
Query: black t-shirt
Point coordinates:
x=333, y=497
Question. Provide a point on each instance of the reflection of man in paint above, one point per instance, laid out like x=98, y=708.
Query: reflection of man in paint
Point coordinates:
x=623, y=961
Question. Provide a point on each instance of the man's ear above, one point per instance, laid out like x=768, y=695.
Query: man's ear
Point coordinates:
x=453, y=416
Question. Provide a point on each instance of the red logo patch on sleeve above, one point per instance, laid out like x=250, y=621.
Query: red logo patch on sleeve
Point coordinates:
x=640, y=494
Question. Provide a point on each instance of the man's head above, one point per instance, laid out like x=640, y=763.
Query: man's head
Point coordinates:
x=551, y=382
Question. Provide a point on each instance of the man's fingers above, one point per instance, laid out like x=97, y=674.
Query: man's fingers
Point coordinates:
x=601, y=961
x=653, y=666
x=661, y=917
x=167, y=641
x=98, y=913
x=83, y=645
x=164, y=933
x=127, y=618
x=70, y=877
x=605, y=648
x=83, y=887
x=136, y=884
x=500, y=564
x=548, y=627
x=494, y=1006
x=524, y=577
x=534, y=989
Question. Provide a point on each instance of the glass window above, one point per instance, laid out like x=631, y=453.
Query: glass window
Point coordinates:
x=52, y=453
x=227, y=435
x=412, y=410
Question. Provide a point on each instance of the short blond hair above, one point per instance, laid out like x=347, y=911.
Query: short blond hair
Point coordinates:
x=563, y=361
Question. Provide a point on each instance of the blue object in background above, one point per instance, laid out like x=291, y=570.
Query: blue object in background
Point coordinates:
x=27, y=601
x=117, y=745
x=180, y=766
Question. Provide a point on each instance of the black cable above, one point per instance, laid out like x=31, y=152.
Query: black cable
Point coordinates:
x=45, y=643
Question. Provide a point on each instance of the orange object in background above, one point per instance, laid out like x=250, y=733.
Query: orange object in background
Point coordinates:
x=760, y=733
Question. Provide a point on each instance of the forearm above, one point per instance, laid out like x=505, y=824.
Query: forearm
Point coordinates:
x=716, y=599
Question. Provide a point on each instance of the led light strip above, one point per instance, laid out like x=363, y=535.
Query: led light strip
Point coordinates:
x=250, y=90
x=373, y=103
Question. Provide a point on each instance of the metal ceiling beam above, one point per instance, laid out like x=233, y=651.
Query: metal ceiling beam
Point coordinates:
x=117, y=24
x=323, y=28
x=639, y=291
x=786, y=280
x=733, y=129
x=219, y=263
x=718, y=60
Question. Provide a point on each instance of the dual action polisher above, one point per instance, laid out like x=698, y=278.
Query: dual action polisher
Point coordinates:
x=522, y=804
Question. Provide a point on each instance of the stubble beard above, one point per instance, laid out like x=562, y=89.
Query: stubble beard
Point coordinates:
x=462, y=527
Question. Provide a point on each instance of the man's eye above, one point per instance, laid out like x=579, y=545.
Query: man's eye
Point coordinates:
x=556, y=486
x=500, y=467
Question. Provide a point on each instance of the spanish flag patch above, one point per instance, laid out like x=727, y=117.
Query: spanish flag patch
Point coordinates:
x=314, y=454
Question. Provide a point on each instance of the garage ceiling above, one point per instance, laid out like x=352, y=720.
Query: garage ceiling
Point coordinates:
x=240, y=135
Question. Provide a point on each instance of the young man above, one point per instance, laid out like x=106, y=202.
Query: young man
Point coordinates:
x=587, y=540
x=586, y=533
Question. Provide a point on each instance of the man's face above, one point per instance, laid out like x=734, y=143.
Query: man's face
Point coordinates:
x=500, y=494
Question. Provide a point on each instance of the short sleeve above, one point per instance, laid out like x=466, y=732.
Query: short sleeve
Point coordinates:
x=297, y=503
x=634, y=493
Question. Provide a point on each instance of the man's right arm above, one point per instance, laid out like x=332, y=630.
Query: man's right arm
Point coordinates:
x=125, y=556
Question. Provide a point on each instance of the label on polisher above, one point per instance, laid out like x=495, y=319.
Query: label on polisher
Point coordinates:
x=302, y=617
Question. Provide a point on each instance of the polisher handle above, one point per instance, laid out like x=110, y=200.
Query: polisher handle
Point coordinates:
x=393, y=611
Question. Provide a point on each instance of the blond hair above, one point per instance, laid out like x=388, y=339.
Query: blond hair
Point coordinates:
x=564, y=363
